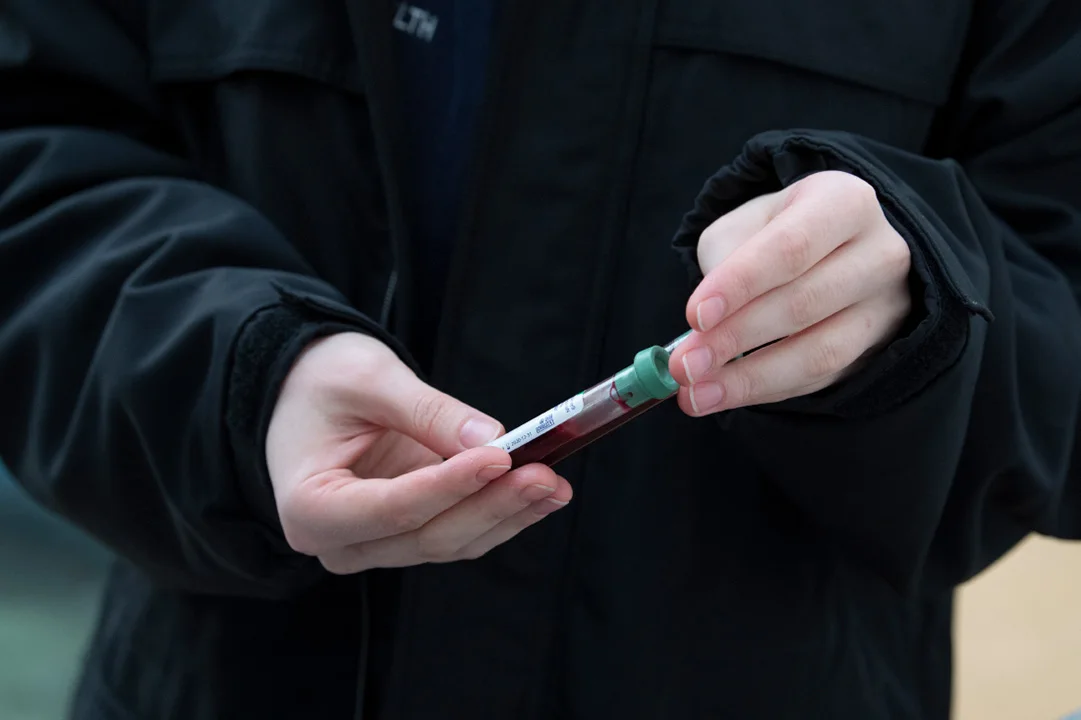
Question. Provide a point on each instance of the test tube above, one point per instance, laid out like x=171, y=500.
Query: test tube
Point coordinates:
x=570, y=426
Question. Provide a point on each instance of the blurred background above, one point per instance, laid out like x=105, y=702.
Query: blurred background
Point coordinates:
x=50, y=581
x=1018, y=630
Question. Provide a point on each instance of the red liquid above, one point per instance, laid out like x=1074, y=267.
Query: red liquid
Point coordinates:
x=602, y=412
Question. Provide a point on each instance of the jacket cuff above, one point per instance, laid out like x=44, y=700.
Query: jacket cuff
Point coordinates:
x=268, y=345
x=936, y=333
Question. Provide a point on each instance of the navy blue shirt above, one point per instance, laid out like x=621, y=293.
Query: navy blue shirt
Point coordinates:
x=443, y=49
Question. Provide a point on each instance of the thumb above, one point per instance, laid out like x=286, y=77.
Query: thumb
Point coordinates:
x=434, y=419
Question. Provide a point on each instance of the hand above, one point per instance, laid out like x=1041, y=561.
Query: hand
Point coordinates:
x=355, y=452
x=816, y=270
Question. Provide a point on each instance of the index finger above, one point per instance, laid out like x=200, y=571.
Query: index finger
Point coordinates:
x=814, y=221
x=332, y=510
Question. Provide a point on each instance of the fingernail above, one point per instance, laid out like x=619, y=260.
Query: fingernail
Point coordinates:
x=697, y=363
x=710, y=313
x=548, y=506
x=491, y=472
x=533, y=493
x=478, y=432
x=705, y=397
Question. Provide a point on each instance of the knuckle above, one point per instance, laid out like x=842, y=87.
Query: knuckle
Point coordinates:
x=706, y=252
x=403, y=520
x=863, y=194
x=709, y=237
x=840, y=180
x=793, y=245
x=474, y=553
x=342, y=564
x=896, y=255
x=397, y=515
x=743, y=388
x=498, y=514
x=399, y=512
x=296, y=527
x=803, y=302
x=741, y=280
x=431, y=548
x=364, y=371
x=299, y=541
x=827, y=358
x=428, y=412
x=727, y=341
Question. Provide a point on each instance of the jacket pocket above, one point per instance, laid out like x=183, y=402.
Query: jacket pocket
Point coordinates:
x=207, y=39
x=721, y=73
x=909, y=49
x=267, y=100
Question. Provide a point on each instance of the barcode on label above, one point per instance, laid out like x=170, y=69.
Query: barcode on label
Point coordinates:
x=540, y=424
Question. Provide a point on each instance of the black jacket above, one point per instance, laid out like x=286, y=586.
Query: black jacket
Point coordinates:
x=191, y=190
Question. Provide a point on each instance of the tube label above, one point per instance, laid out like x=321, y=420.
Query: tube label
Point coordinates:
x=541, y=424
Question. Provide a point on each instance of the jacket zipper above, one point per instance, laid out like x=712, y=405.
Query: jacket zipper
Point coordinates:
x=502, y=65
x=616, y=211
x=370, y=23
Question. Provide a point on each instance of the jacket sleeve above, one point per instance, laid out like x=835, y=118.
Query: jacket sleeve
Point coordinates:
x=961, y=437
x=147, y=319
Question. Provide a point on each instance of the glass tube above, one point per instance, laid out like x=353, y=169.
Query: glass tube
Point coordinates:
x=575, y=423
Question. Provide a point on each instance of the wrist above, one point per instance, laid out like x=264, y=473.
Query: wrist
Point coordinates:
x=267, y=348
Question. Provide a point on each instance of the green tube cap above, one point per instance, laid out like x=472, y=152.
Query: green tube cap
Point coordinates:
x=647, y=379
